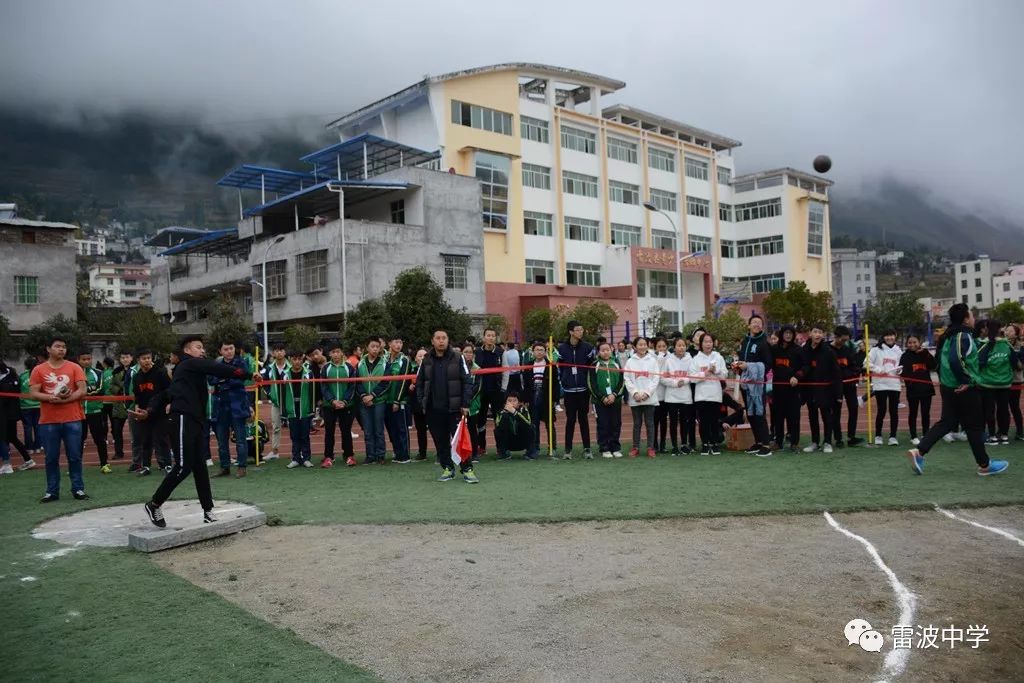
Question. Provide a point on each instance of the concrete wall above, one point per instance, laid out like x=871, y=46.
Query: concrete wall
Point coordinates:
x=52, y=260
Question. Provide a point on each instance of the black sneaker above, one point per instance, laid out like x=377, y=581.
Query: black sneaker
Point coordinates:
x=764, y=452
x=839, y=444
x=403, y=461
x=753, y=449
x=155, y=515
x=421, y=456
x=133, y=468
x=855, y=441
x=49, y=498
x=1019, y=437
x=144, y=471
x=674, y=453
x=224, y=472
x=504, y=456
x=716, y=449
x=80, y=495
x=208, y=517
x=685, y=450
x=705, y=449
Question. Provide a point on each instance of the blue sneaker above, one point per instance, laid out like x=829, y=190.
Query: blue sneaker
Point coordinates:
x=994, y=467
x=916, y=461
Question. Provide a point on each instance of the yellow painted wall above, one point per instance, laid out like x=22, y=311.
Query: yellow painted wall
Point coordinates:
x=503, y=252
x=815, y=271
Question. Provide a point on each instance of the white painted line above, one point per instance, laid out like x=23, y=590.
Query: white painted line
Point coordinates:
x=28, y=579
x=59, y=552
x=895, y=660
x=996, y=530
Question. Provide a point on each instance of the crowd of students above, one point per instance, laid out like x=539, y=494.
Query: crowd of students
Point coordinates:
x=675, y=389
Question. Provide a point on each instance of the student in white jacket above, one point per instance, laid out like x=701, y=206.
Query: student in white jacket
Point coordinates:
x=642, y=380
x=679, y=398
x=661, y=411
x=884, y=359
x=708, y=370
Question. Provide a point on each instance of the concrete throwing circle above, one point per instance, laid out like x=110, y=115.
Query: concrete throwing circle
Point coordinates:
x=109, y=527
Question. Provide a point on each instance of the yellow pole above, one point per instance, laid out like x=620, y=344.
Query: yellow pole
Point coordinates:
x=551, y=397
x=867, y=365
x=256, y=425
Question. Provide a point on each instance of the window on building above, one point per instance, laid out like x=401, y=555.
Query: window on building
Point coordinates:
x=771, y=181
x=745, y=186
x=977, y=282
x=859, y=290
x=858, y=277
x=584, y=274
x=110, y=293
x=110, y=280
x=1020, y=284
x=456, y=271
x=964, y=298
x=623, y=192
x=277, y=278
x=26, y=289
x=663, y=239
x=535, y=223
x=963, y=268
x=696, y=168
x=533, y=129
x=540, y=272
x=728, y=248
x=699, y=243
x=579, y=140
x=695, y=206
x=475, y=116
x=1006, y=286
x=622, y=150
x=626, y=235
x=725, y=212
x=537, y=176
x=761, y=284
x=977, y=297
x=656, y=284
x=977, y=267
x=492, y=170
x=661, y=159
x=666, y=201
x=311, y=271
x=963, y=284
x=867, y=290
x=815, y=228
x=761, y=246
x=398, y=211
x=724, y=175
x=130, y=283
x=582, y=229
x=752, y=211
x=247, y=302
x=867, y=277
x=578, y=183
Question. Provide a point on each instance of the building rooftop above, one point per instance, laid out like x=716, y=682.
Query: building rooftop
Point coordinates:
x=778, y=171
x=661, y=124
x=26, y=223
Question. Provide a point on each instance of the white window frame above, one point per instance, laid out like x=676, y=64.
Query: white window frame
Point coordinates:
x=585, y=184
x=535, y=267
x=624, y=235
x=587, y=230
x=578, y=139
x=624, y=193
x=586, y=274
x=661, y=159
x=815, y=228
x=543, y=223
x=696, y=168
x=311, y=271
x=665, y=200
x=537, y=130
x=695, y=206
x=536, y=176
x=622, y=150
x=456, y=271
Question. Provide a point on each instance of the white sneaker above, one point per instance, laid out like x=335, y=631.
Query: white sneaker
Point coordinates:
x=209, y=463
x=607, y=454
x=27, y=465
x=827, y=448
x=293, y=464
x=878, y=441
x=960, y=436
x=948, y=438
x=813, y=448
x=6, y=468
x=307, y=463
x=559, y=408
x=617, y=454
x=272, y=455
x=893, y=441
x=354, y=435
x=916, y=440
x=901, y=405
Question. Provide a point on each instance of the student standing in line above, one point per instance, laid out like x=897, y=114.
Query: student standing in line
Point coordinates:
x=396, y=396
x=577, y=355
x=94, y=421
x=995, y=375
x=821, y=372
x=661, y=410
x=850, y=359
x=541, y=390
x=29, y=418
x=418, y=418
x=884, y=360
x=119, y=409
x=679, y=397
x=275, y=369
x=445, y=388
x=147, y=382
x=917, y=365
x=754, y=351
x=1012, y=333
x=232, y=409
x=642, y=379
x=787, y=361
x=337, y=406
x=475, y=415
x=622, y=353
x=371, y=368
x=298, y=404
x=708, y=370
x=488, y=355
x=607, y=388
x=10, y=414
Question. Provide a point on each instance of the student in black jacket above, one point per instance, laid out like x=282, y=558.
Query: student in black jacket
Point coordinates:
x=918, y=364
x=754, y=351
x=787, y=361
x=488, y=355
x=186, y=399
x=147, y=382
x=541, y=391
x=850, y=361
x=821, y=372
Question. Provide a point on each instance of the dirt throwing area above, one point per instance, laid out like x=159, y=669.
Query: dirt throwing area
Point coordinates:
x=727, y=599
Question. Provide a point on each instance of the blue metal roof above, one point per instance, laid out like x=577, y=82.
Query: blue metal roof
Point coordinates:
x=380, y=155
x=276, y=180
x=319, y=198
x=211, y=242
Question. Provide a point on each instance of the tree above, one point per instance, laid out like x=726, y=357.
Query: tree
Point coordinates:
x=38, y=337
x=900, y=312
x=728, y=329
x=226, y=323
x=541, y=323
x=370, y=317
x=595, y=316
x=142, y=328
x=1008, y=312
x=300, y=337
x=417, y=307
x=498, y=323
x=7, y=346
x=797, y=305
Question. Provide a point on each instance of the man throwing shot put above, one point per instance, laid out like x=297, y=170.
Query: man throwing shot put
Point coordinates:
x=187, y=429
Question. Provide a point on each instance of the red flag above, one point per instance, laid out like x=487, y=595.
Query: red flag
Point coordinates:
x=462, y=445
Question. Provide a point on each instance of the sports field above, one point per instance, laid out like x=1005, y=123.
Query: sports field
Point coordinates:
x=689, y=568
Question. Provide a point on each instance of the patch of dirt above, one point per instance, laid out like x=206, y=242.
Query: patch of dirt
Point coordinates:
x=725, y=599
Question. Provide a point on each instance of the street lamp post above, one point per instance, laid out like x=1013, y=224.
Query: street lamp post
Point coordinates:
x=679, y=261
x=263, y=287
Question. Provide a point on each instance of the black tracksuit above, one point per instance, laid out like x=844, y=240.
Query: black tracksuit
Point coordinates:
x=536, y=397
x=850, y=362
x=917, y=377
x=756, y=350
x=491, y=400
x=574, y=389
x=152, y=432
x=190, y=435
x=787, y=361
x=821, y=371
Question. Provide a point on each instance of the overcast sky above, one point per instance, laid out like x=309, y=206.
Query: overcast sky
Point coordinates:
x=930, y=90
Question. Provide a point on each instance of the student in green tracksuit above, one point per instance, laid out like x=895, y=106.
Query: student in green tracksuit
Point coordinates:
x=606, y=385
x=995, y=375
x=469, y=353
x=95, y=422
x=29, y=415
x=514, y=430
x=297, y=403
x=396, y=399
x=119, y=375
x=371, y=393
x=338, y=404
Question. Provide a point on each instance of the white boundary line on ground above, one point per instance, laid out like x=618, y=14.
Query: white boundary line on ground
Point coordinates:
x=895, y=660
x=996, y=530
